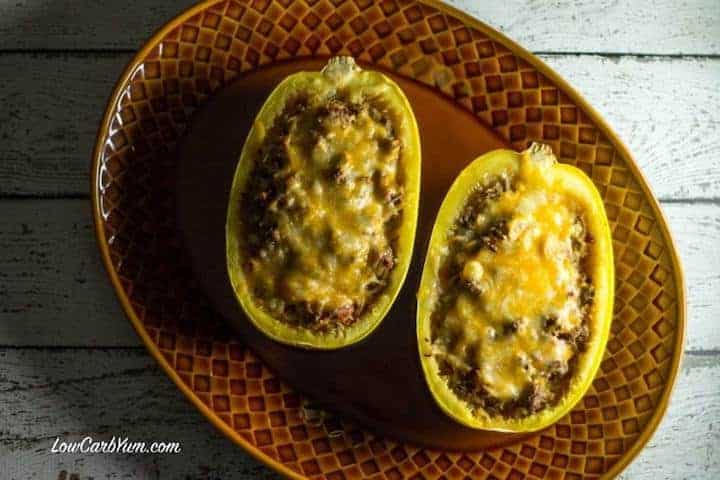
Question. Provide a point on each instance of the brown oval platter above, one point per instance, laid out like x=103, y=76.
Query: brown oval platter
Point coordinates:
x=165, y=155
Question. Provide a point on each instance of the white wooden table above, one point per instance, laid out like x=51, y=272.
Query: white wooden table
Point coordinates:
x=70, y=365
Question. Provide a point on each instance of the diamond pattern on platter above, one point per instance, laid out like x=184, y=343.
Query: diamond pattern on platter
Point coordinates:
x=208, y=50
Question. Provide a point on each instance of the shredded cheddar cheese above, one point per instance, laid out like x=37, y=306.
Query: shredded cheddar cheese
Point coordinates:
x=338, y=196
x=507, y=326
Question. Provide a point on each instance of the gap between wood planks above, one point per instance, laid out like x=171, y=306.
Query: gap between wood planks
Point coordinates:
x=539, y=53
x=141, y=348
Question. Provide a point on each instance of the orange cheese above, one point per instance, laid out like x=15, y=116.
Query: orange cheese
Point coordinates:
x=331, y=237
x=533, y=274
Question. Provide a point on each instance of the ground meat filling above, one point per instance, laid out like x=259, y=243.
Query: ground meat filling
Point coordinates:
x=321, y=211
x=479, y=348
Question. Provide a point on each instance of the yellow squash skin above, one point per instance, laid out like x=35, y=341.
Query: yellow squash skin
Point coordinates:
x=340, y=72
x=566, y=179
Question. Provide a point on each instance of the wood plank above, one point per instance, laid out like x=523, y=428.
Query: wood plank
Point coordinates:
x=53, y=286
x=661, y=27
x=45, y=394
x=687, y=443
x=606, y=26
x=75, y=393
x=665, y=109
x=83, y=24
x=51, y=277
x=50, y=117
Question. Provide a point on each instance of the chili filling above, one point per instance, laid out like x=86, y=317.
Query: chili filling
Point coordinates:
x=321, y=211
x=515, y=298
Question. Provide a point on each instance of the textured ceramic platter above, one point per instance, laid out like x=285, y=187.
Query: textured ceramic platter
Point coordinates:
x=511, y=93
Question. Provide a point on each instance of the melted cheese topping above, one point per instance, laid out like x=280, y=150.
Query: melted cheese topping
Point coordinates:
x=333, y=226
x=533, y=275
